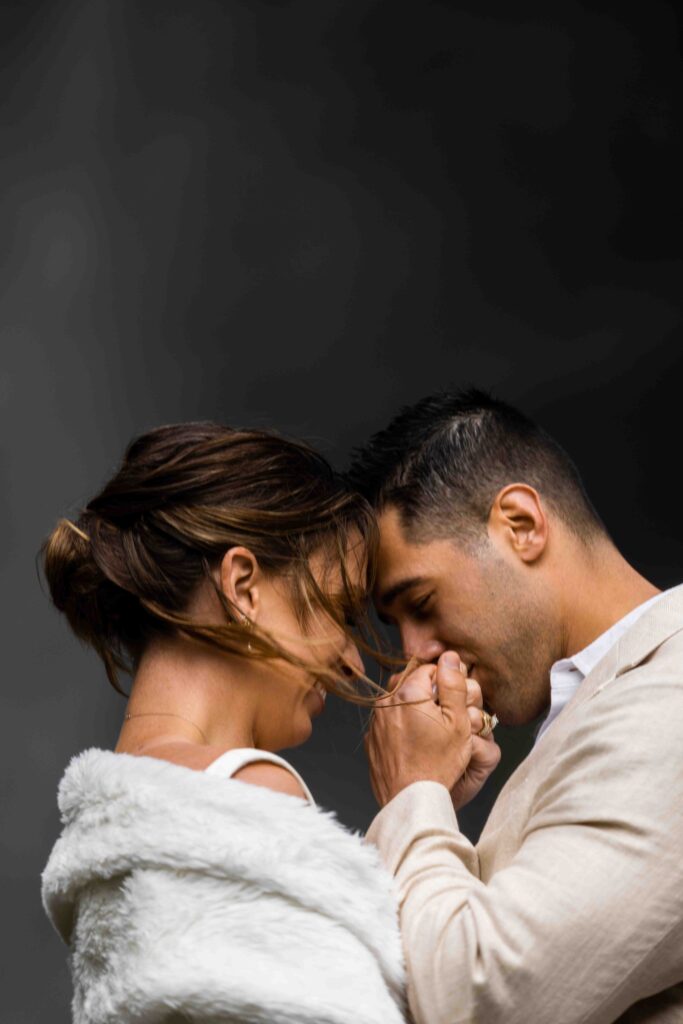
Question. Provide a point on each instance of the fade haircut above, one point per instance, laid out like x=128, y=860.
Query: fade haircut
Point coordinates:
x=442, y=461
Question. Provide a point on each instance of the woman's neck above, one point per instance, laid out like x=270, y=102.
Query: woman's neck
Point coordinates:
x=185, y=693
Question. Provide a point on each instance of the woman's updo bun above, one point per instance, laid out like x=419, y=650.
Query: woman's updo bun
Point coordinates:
x=100, y=610
x=71, y=573
x=125, y=569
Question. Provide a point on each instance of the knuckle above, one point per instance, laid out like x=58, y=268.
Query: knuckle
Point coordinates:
x=422, y=675
x=416, y=687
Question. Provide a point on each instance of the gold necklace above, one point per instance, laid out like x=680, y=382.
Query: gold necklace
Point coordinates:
x=166, y=714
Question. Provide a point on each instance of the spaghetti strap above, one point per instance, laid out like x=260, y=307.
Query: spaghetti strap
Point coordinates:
x=232, y=760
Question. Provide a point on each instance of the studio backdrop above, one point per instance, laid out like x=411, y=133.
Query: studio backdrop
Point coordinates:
x=304, y=215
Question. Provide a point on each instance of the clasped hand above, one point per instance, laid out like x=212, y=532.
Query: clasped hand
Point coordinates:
x=426, y=730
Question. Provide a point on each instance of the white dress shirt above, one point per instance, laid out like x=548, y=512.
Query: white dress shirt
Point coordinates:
x=567, y=675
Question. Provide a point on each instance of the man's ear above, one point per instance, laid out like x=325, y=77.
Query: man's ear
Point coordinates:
x=240, y=577
x=519, y=521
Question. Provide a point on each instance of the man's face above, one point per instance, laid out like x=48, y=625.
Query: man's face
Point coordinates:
x=482, y=604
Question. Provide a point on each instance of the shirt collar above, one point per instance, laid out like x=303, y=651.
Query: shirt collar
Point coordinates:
x=588, y=658
x=567, y=674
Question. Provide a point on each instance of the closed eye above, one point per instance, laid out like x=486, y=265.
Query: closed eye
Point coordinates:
x=419, y=609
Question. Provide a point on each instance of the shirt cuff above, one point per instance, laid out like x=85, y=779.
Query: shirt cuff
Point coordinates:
x=418, y=810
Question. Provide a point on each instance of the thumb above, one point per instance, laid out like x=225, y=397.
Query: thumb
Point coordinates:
x=451, y=682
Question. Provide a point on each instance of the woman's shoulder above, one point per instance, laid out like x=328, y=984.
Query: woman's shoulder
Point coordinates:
x=272, y=776
x=260, y=768
x=255, y=767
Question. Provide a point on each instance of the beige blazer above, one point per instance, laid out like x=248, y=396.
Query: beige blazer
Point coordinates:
x=569, y=910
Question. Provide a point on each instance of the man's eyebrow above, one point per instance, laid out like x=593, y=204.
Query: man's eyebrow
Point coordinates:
x=389, y=596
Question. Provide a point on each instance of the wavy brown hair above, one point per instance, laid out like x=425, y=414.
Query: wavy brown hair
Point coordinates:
x=124, y=571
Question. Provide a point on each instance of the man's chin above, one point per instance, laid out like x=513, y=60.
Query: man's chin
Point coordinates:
x=509, y=710
x=516, y=715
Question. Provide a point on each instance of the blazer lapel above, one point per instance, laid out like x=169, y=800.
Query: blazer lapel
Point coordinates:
x=660, y=622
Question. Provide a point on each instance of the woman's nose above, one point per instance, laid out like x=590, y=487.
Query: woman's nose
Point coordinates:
x=352, y=661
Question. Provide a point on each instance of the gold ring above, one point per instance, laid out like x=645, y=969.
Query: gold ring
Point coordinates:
x=490, y=723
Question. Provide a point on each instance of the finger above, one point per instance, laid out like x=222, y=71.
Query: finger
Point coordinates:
x=408, y=695
x=451, y=682
x=474, y=694
x=392, y=686
x=485, y=751
x=397, y=678
x=476, y=719
x=417, y=685
x=393, y=682
x=413, y=664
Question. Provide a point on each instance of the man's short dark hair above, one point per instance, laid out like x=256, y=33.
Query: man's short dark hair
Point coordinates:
x=442, y=461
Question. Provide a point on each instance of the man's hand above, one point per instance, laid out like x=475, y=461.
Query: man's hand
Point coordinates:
x=413, y=738
x=485, y=752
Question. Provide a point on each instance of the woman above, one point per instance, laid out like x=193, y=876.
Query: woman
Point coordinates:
x=195, y=879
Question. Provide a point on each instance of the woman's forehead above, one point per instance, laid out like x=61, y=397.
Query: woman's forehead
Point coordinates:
x=335, y=574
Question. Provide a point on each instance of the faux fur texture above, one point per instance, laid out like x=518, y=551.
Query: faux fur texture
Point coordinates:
x=189, y=897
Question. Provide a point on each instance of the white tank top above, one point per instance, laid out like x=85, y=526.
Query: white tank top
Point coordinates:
x=232, y=760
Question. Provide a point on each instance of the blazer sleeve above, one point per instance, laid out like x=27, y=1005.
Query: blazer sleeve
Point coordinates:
x=587, y=917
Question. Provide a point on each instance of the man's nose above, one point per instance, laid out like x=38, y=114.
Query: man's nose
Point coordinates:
x=416, y=645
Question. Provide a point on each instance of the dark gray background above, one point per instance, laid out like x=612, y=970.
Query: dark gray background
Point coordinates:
x=305, y=214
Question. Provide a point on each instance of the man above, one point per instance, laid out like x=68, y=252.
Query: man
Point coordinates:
x=570, y=907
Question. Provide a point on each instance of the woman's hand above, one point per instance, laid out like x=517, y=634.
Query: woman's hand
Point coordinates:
x=412, y=738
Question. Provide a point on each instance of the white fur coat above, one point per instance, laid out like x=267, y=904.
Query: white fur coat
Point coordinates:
x=188, y=897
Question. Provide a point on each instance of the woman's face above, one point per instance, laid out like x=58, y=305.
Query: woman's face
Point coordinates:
x=290, y=698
